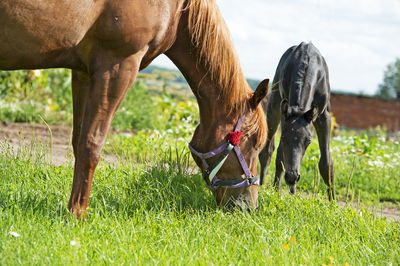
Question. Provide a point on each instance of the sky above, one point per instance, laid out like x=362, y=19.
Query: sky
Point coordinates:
x=358, y=38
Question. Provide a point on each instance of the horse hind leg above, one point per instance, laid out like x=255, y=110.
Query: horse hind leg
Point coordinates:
x=273, y=120
x=108, y=86
x=323, y=127
x=265, y=157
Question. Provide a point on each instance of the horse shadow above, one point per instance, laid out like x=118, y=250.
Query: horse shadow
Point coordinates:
x=159, y=187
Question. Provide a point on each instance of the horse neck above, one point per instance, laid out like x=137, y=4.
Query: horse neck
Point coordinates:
x=207, y=91
x=200, y=82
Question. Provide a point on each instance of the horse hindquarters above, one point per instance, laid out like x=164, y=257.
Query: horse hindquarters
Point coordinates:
x=94, y=107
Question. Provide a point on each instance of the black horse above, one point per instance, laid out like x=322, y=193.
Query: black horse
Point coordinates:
x=301, y=97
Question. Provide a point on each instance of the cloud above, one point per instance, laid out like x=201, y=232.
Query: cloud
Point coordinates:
x=358, y=38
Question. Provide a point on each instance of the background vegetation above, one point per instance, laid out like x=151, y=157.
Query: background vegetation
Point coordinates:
x=390, y=86
x=29, y=96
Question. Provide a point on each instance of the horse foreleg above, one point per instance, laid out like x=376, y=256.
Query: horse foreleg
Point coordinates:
x=109, y=83
x=323, y=127
x=273, y=120
x=80, y=88
x=279, y=168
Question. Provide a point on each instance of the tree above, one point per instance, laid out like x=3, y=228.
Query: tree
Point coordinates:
x=390, y=87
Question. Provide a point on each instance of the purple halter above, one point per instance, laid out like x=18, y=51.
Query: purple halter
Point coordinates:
x=212, y=170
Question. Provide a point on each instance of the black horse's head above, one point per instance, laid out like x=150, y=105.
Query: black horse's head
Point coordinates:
x=296, y=136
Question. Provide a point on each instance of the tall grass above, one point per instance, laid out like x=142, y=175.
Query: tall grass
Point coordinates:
x=161, y=213
x=365, y=166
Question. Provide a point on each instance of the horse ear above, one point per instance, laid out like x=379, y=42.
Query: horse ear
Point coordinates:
x=311, y=115
x=285, y=108
x=259, y=93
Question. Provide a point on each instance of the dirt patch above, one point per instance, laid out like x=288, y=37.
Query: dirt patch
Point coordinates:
x=388, y=210
x=18, y=134
x=392, y=213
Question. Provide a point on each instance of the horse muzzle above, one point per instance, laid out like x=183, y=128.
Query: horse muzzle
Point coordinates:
x=292, y=177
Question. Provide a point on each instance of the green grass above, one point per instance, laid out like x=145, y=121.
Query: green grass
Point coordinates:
x=154, y=208
x=366, y=167
x=162, y=213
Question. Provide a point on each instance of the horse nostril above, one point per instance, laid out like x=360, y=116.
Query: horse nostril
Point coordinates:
x=298, y=178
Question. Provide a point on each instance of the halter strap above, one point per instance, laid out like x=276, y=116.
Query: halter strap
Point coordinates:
x=242, y=161
x=240, y=122
x=209, y=154
x=211, y=171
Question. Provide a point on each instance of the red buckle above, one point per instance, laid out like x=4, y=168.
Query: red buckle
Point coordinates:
x=234, y=137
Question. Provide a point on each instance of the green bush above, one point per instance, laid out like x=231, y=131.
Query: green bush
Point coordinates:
x=28, y=95
x=138, y=110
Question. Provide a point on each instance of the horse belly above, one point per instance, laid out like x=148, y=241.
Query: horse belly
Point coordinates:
x=41, y=34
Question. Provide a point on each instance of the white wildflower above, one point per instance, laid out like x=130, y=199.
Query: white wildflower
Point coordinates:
x=37, y=72
x=14, y=234
x=128, y=135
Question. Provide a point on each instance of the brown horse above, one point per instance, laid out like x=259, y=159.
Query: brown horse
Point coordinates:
x=106, y=43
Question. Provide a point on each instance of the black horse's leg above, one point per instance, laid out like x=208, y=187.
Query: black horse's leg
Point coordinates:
x=273, y=120
x=279, y=168
x=323, y=127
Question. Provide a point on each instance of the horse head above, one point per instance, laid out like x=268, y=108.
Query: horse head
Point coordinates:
x=227, y=149
x=295, y=138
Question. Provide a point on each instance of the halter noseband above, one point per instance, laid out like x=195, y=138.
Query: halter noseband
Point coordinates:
x=212, y=170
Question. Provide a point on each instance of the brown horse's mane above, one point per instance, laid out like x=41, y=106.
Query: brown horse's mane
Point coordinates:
x=210, y=34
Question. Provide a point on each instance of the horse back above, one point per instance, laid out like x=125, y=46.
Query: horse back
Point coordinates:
x=43, y=34
x=303, y=77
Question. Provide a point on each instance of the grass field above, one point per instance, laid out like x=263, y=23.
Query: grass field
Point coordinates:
x=159, y=211
x=153, y=207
